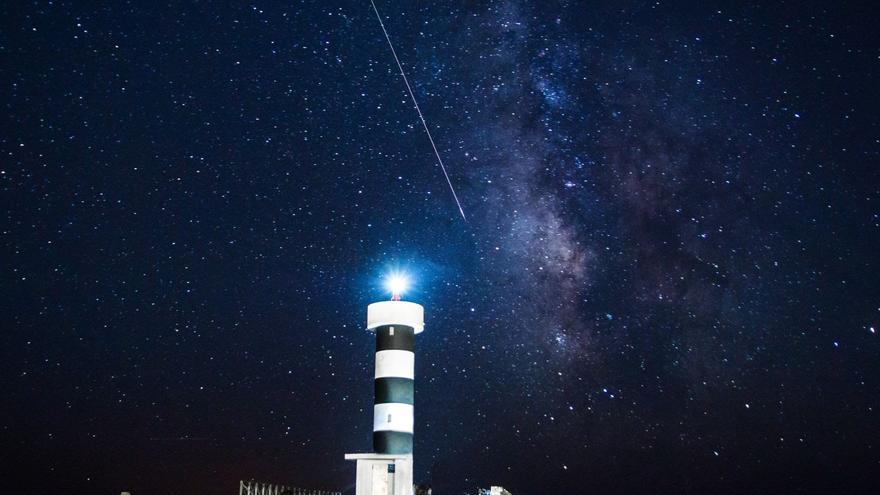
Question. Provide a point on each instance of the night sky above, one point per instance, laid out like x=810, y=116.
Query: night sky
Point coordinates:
x=667, y=281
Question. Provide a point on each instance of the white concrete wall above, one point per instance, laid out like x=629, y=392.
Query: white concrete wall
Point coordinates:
x=373, y=477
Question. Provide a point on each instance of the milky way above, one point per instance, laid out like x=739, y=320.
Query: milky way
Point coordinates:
x=667, y=280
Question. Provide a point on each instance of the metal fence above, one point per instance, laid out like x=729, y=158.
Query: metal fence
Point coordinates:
x=256, y=488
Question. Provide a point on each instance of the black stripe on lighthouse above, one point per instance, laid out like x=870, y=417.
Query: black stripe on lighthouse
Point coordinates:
x=395, y=337
x=394, y=390
x=392, y=442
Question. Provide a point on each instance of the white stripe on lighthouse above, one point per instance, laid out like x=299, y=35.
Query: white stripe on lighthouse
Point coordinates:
x=395, y=363
x=393, y=417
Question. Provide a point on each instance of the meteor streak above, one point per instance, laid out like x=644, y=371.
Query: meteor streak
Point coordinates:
x=416, y=104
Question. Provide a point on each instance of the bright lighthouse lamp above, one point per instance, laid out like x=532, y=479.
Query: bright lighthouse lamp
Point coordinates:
x=397, y=284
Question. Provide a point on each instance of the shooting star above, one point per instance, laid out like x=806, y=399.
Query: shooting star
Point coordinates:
x=416, y=104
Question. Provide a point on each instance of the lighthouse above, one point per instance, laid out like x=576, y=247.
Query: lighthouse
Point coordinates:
x=388, y=470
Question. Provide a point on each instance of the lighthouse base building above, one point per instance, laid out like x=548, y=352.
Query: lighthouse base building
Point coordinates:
x=389, y=469
x=383, y=474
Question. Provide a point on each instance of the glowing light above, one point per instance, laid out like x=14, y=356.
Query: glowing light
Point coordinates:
x=397, y=283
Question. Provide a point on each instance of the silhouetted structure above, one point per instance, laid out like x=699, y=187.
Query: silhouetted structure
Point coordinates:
x=256, y=488
x=495, y=490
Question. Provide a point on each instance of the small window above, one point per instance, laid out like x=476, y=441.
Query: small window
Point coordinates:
x=391, y=468
x=391, y=331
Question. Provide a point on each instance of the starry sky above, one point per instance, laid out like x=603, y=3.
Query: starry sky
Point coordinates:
x=667, y=281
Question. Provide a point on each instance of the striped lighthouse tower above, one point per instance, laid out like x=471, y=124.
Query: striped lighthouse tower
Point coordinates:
x=388, y=470
x=395, y=324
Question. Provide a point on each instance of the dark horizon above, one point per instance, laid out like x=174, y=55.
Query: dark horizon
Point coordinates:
x=667, y=280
